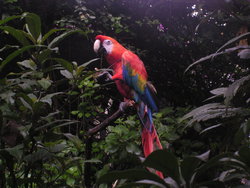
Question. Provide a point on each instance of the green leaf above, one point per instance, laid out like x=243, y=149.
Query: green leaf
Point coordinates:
x=143, y=183
x=44, y=55
x=188, y=167
x=65, y=64
x=45, y=83
x=204, y=156
x=16, y=151
x=244, y=154
x=132, y=148
x=75, y=140
x=8, y=96
x=17, y=34
x=41, y=154
x=93, y=161
x=234, y=40
x=48, y=98
x=47, y=35
x=89, y=62
x=57, y=148
x=218, y=91
x=26, y=100
x=233, y=89
x=9, y=19
x=33, y=25
x=243, y=133
x=244, y=54
x=133, y=175
x=164, y=161
x=215, y=162
x=28, y=64
x=15, y=54
x=59, y=38
x=210, y=128
x=211, y=56
x=57, y=123
x=210, y=111
x=66, y=74
x=7, y=46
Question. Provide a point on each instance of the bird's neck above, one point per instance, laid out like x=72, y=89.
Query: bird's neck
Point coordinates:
x=114, y=59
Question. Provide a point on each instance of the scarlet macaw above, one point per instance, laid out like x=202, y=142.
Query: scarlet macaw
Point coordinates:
x=131, y=77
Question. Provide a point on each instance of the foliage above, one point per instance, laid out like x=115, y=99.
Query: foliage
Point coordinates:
x=31, y=113
x=49, y=97
x=229, y=163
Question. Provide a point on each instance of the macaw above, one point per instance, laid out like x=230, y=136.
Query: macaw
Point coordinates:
x=130, y=77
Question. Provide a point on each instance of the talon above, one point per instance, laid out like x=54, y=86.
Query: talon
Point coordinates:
x=130, y=102
x=123, y=106
x=104, y=75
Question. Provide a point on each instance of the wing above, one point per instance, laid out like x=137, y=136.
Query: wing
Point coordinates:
x=135, y=75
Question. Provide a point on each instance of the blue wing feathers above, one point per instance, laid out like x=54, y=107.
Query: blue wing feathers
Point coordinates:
x=142, y=96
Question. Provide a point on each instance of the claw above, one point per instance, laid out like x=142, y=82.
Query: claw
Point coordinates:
x=104, y=75
x=125, y=104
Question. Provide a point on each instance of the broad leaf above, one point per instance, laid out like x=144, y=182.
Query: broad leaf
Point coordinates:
x=48, y=98
x=33, y=25
x=45, y=83
x=133, y=175
x=47, y=35
x=28, y=64
x=9, y=19
x=65, y=64
x=59, y=38
x=210, y=128
x=233, y=89
x=41, y=154
x=234, y=40
x=211, y=56
x=16, y=53
x=75, y=140
x=17, y=34
x=244, y=154
x=188, y=167
x=166, y=162
x=244, y=54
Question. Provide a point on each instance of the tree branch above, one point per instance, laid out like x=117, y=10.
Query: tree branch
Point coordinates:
x=107, y=121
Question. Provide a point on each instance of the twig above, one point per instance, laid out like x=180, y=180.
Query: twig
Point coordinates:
x=107, y=121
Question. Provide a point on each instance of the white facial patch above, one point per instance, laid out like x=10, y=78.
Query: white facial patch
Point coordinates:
x=108, y=45
x=97, y=45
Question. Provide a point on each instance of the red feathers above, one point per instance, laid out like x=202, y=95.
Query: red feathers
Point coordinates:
x=130, y=77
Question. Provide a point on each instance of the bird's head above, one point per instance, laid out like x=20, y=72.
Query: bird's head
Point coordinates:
x=107, y=46
x=104, y=44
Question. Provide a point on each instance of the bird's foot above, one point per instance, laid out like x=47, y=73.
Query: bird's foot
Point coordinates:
x=127, y=103
x=103, y=76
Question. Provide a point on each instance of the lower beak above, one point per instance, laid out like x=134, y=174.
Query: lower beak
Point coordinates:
x=101, y=51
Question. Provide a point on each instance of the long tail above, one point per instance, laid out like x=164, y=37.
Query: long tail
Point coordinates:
x=150, y=139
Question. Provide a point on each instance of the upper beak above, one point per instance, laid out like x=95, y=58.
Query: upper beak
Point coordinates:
x=98, y=48
x=97, y=45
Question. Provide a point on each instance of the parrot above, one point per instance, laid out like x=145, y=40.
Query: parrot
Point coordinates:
x=131, y=79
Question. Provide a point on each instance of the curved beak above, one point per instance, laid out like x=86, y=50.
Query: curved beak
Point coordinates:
x=98, y=48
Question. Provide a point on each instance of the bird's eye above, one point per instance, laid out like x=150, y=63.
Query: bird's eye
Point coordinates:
x=108, y=42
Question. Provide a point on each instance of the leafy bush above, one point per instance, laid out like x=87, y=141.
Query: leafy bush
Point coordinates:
x=34, y=151
x=229, y=160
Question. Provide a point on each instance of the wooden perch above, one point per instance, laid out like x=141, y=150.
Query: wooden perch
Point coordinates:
x=110, y=119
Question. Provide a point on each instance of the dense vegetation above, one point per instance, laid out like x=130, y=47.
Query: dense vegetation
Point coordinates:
x=197, y=56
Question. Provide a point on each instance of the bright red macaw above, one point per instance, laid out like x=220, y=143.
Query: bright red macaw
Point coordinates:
x=131, y=77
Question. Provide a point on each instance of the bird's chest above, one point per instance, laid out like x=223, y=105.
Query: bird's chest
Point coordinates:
x=124, y=89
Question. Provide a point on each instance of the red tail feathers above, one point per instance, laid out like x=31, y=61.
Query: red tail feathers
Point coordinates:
x=151, y=142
